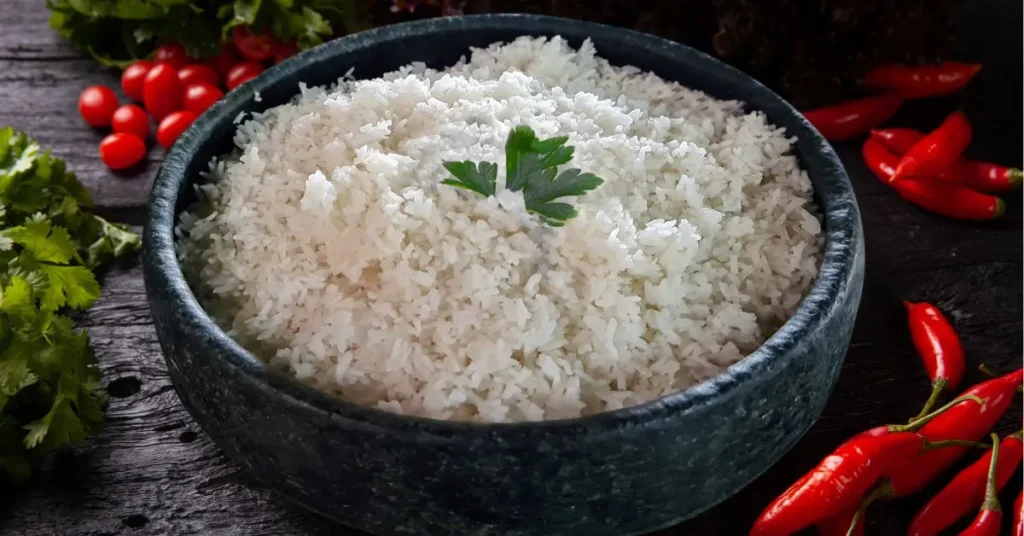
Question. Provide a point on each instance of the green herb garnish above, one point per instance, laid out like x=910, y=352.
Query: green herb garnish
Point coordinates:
x=50, y=395
x=531, y=166
x=117, y=32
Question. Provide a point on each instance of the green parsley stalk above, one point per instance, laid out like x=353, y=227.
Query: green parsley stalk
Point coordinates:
x=50, y=395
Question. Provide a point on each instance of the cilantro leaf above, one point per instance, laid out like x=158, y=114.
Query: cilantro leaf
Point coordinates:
x=17, y=300
x=531, y=166
x=46, y=243
x=114, y=241
x=50, y=395
x=74, y=286
x=116, y=32
x=480, y=178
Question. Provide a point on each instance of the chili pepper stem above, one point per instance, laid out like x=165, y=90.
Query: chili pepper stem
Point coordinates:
x=991, y=493
x=916, y=424
x=937, y=386
x=1014, y=176
x=987, y=371
x=935, y=445
x=1000, y=208
x=882, y=490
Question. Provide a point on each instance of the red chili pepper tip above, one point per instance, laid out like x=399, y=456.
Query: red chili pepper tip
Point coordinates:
x=936, y=151
x=989, y=518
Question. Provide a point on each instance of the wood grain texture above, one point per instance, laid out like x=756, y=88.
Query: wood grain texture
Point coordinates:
x=153, y=471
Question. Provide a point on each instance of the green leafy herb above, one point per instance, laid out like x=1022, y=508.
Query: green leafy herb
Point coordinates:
x=531, y=166
x=50, y=395
x=116, y=32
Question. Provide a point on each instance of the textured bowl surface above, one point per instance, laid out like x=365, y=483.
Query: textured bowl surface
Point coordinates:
x=622, y=472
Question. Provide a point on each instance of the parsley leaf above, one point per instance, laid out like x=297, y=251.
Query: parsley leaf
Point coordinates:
x=480, y=178
x=540, y=194
x=50, y=395
x=531, y=166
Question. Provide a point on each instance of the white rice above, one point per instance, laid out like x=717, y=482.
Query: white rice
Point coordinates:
x=327, y=245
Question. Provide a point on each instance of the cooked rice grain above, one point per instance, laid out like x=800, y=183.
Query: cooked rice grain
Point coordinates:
x=327, y=245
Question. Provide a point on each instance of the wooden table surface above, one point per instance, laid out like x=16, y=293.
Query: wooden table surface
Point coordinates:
x=153, y=471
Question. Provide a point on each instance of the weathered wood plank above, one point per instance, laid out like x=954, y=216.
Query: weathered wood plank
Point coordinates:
x=27, y=33
x=153, y=471
x=153, y=462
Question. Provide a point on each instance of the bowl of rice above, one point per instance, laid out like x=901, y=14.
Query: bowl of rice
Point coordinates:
x=412, y=347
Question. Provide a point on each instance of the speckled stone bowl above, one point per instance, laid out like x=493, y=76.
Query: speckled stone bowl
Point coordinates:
x=622, y=472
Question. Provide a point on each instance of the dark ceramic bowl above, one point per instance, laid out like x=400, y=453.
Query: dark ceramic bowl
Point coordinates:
x=621, y=472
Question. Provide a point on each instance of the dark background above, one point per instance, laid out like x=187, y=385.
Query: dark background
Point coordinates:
x=154, y=472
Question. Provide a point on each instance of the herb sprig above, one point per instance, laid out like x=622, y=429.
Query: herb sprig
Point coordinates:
x=116, y=32
x=531, y=166
x=50, y=395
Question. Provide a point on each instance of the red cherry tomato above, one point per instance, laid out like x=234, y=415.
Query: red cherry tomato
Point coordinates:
x=130, y=119
x=133, y=77
x=122, y=150
x=97, y=105
x=172, y=54
x=199, y=97
x=222, y=63
x=196, y=73
x=161, y=92
x=252, y=47
x=283, y=51
x=172, y=126
x=242, y=73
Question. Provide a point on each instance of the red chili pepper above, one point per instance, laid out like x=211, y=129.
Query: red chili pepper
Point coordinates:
x=897, y=140
x=1018, y=514
x=837, y=483
x=944, y=199
x=937, y=150
x=853, y=118
x=990, y=517
x=841, y=479
x=951, y=201
x=985, y=176
x=917, y=82
x=939, y=347
x=963, y=422
x=974, y=174
x=966, y=491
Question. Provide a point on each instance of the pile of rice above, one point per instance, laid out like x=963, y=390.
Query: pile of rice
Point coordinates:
x=327, y=245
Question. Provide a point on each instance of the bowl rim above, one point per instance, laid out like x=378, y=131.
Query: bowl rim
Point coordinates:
x=842, y=229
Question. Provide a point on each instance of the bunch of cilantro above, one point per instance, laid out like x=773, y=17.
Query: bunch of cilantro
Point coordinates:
x=50, y=394
x=116, y=32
